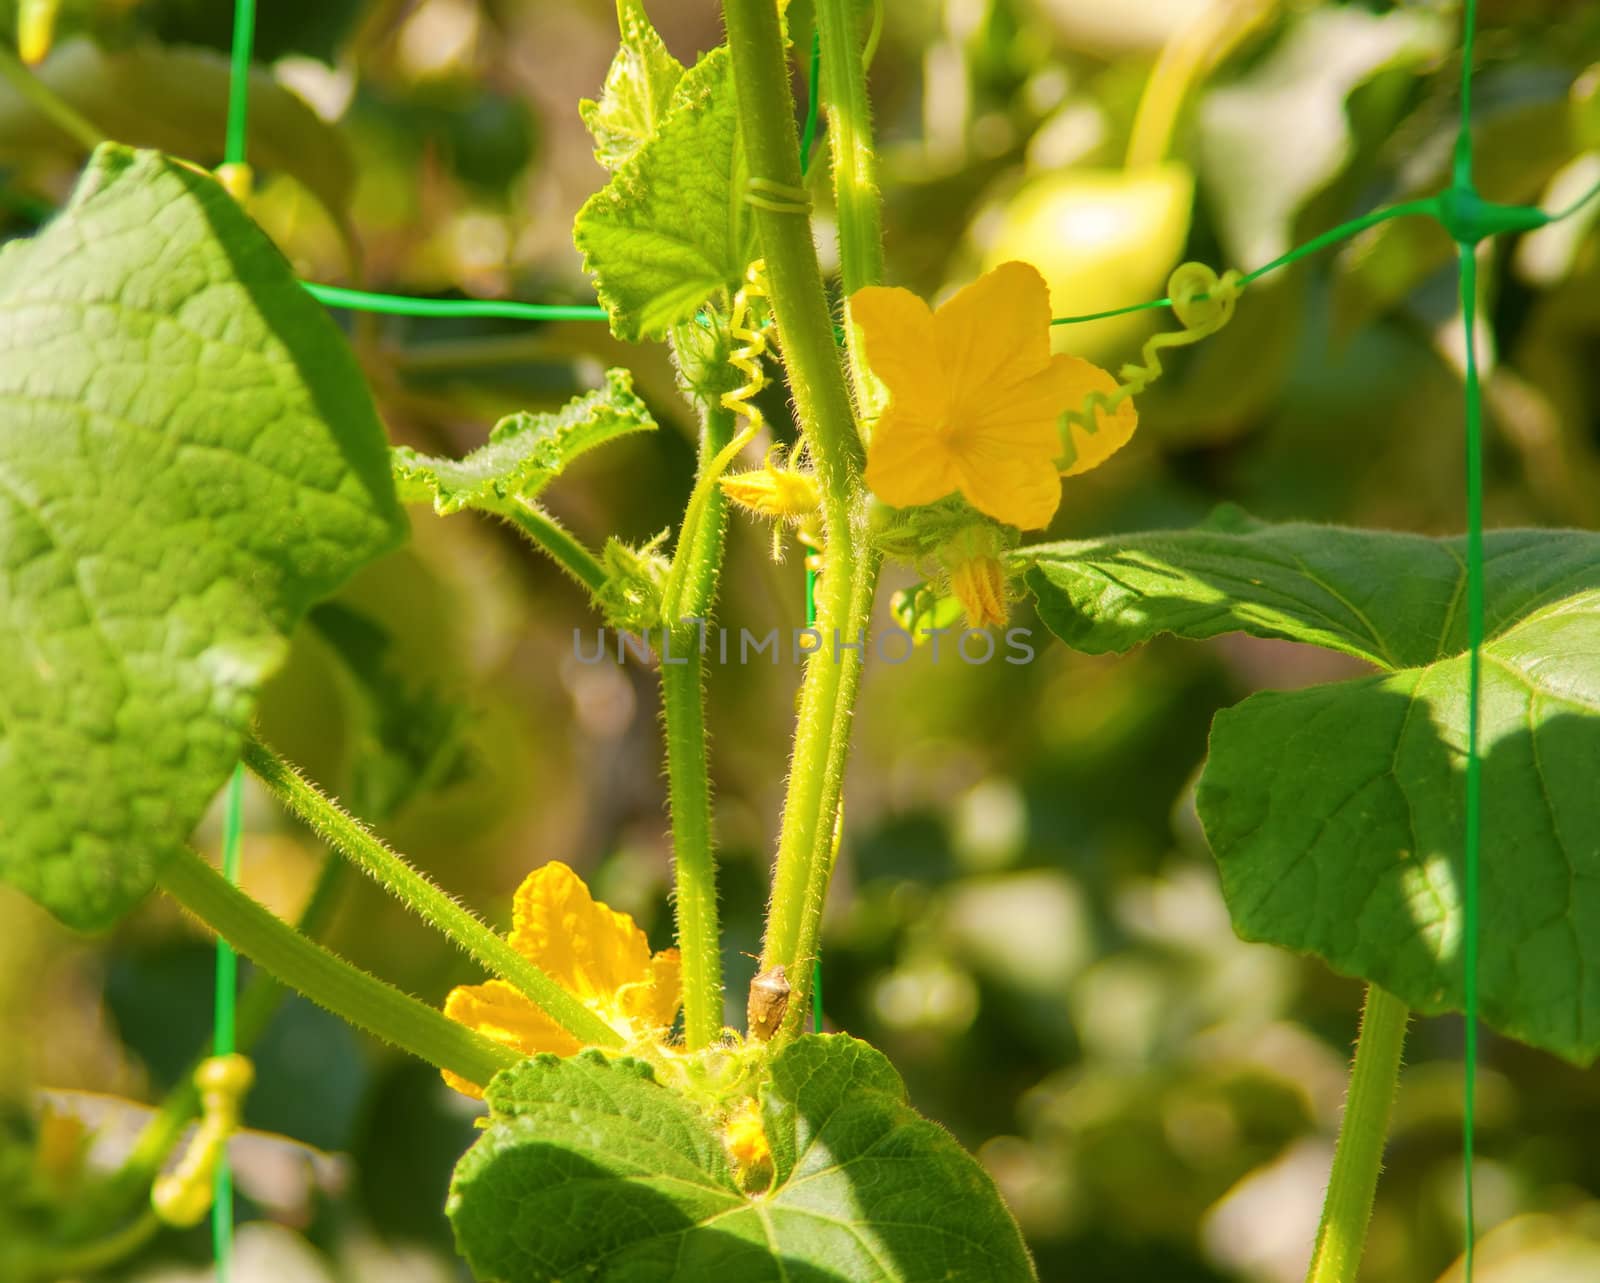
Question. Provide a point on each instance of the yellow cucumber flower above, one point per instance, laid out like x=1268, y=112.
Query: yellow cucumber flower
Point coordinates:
x=596, y=954
x=975, y=397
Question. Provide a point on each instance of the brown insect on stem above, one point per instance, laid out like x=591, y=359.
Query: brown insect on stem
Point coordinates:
x=769, y=999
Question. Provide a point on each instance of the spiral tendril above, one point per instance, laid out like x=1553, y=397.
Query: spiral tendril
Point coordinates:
x=1203, y=303
x=746, y=358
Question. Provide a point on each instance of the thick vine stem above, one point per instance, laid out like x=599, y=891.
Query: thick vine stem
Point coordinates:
x=347, y=991
x=846, y=665
x=687, y=746
x=816, y=376
x=857, y=200
x=695, y=868
x=794, y=278
x=1191, y=51
x=1358, y=1157
x=353, y=839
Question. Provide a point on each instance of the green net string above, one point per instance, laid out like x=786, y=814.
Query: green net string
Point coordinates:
x=1460, y=209
x=244, y=35
x=222, y=1034
x=397, y=305
x=235, y=144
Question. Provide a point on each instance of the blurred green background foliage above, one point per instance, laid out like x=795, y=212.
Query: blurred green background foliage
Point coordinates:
x=1026, y=919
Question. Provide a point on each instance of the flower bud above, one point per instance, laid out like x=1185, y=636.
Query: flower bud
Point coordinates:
x=980, y=586
x=776, y=493
x=978, y=576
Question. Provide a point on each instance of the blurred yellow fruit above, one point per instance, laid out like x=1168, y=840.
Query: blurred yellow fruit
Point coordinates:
x=1102, y=238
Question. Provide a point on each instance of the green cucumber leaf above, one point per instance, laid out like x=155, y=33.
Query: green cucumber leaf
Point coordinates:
x=637, y=93
x=525, y=452
x=1335, y=813
x=188, y=460
x=1394, y=600
x=672, y=227
x=590, y=1169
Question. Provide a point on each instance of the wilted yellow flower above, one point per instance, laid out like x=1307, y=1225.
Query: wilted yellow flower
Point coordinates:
x=979, y=584
x=746, y=1138
x=977, y=575
x=975, y=396
x=596, y=954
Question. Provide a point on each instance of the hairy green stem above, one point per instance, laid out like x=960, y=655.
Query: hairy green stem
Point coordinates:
x=47, y=102
x=694, y=862
x=330, y=981
x=696, y=566
x=697, y=560
x=353, y=839
x=799, y=305
x=857, y=200
x=549, y=535
x=816, y=376
x=859, y=206
x=1358, y=1157
x=861, y=583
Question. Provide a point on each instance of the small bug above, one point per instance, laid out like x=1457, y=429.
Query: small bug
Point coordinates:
x=769, y=999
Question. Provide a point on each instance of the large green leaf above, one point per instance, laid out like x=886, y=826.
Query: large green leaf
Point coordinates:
x=672, y=227
x=1335, y=813
x=525, y=452
x=1394, y=600
x=638, y=89
x=188, y=460
x=592, y=1170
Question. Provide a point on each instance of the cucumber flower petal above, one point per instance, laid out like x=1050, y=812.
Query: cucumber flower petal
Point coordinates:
x=975, y=397
x=598, y=955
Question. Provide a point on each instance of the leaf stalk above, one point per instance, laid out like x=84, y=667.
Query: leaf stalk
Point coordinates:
x=1358, y=1156
x=346, y=990
x=351, y=838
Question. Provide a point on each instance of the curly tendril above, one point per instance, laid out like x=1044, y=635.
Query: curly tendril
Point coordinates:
x=1203, y=303
x=746, y=358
